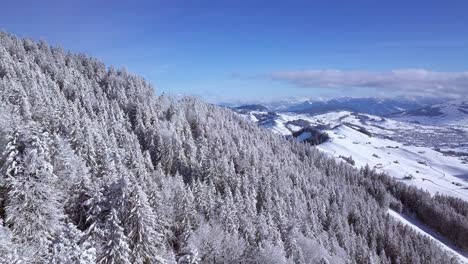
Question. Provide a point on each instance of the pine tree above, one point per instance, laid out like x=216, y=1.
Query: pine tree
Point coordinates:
x=115, y=249
x=69, y=248
x=144, y=233
x=94, y=207
x=32, y=207
x=67, y=166
x=8, y=251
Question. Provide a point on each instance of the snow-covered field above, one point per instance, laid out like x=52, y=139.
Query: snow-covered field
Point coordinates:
x=418, y=166
x=422, y=229
x=453, y=137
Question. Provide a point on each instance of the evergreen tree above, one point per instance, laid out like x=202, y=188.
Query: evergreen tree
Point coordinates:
x=32, y=206
x=116, y=249
x=144, y=233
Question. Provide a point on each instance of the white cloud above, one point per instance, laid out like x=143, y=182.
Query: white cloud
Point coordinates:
x=405, y=81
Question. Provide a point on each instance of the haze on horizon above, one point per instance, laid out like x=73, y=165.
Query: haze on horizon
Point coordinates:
x=231, y=51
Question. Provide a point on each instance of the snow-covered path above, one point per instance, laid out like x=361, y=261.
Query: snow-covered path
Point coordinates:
x=422, y=229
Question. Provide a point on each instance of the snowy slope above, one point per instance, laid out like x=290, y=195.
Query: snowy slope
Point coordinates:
x=453, y=113
x=404, y=150
x=420, y=228
x=452, y=139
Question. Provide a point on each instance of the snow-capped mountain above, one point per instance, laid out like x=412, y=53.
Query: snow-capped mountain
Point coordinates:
x=368, y=105
x=361, y=105
x=252, y=107
x=452, y=113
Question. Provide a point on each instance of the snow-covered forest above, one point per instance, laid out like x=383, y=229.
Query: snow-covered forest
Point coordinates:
x=96, y=168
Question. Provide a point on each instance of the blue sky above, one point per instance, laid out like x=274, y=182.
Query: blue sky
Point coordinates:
x=264, y=50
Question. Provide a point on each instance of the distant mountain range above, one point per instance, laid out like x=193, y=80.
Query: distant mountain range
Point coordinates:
x=252, y=107
x=448, y=113
x=374, y=106
x=441, y=125
x=368, y=105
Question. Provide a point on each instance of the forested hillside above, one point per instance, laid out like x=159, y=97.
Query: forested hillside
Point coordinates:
x=97, y=169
